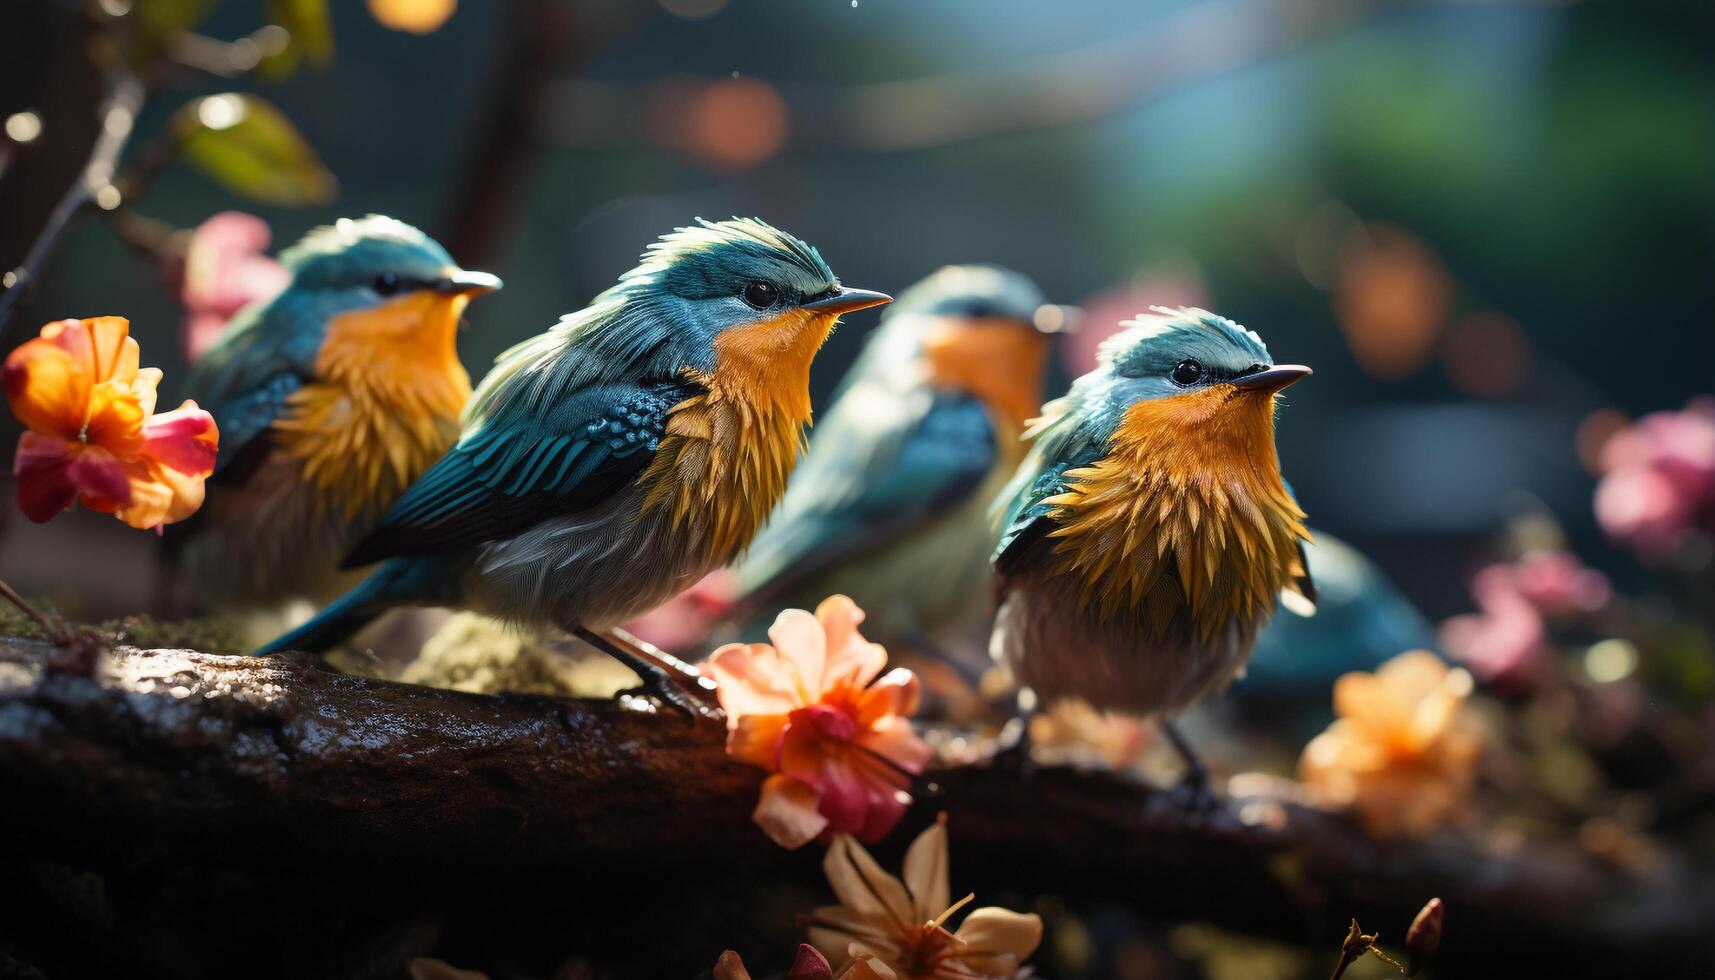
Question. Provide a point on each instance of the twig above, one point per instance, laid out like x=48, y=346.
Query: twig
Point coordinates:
x=11, y=595
x=118, y=115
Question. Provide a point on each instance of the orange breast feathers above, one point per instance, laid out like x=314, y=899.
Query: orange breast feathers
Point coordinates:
x=726, y=454
x=385, y=404
x=1187, y=510
x=999, y=361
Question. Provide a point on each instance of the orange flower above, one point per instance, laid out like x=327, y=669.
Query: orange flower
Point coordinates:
x=810, y=710
x=93, y=436
x=898, y=929
x=1404, y=750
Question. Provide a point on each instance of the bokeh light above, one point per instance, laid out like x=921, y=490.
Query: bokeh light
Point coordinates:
x=413, y=16
x=1487, y=355
x=1392, y=299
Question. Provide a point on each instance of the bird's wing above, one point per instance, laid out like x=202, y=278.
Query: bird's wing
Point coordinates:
x=244, y=423
x=880, y=465
x=1300, y=595
x=1061, y=442
x=507, y=475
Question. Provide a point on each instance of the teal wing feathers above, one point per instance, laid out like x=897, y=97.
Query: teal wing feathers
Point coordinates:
x=507, y=475
x=876, y=468
x=245, y=379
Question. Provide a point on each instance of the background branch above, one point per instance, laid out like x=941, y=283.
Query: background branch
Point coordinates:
x=249, y=798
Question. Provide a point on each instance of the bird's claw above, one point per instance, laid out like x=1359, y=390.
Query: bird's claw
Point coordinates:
x=664, y=677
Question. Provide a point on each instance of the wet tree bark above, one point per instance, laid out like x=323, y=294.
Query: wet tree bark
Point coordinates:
x=174, y=813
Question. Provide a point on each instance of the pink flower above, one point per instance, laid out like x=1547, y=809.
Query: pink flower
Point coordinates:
x=226, y=269
x=92, y=433
x=681, y=621
x=1503, y=642
x=1658, y=487
x=1558, y=584
x=810, y=709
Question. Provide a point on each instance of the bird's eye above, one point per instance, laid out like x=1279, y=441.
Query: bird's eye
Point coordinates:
x=1187, y=372
x=761, y=294
x=387, y=284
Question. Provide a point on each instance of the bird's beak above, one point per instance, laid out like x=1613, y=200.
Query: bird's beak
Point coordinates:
x=1054, y=318
x=461, y=282
x=1272, y=379
x=844, y=300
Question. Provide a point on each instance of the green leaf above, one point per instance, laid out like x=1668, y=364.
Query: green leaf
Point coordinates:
x=252, y=149
x=309, y=32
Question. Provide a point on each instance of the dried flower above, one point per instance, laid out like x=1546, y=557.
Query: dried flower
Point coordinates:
x=810, y=964
x=897, y=928
x=226, y=268
x=93, y=436
x=1658, y=485
x=811, y=710
x=1403, y=750
x=1424, y=936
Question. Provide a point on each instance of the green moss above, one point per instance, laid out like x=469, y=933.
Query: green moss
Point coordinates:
x=206, y=635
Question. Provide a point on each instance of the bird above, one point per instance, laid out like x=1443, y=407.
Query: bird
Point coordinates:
x=1148, y=534
x=890, y=503
x=332, y=398
x=621, y=455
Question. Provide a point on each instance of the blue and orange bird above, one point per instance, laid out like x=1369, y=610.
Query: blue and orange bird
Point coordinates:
x=1148, y=535
x=332, y=398
x=615, y=459
x=890, y=505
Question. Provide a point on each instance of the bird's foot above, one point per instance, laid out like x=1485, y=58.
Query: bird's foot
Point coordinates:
x=1194, y=793
x=664, y=676
x=1012, y=748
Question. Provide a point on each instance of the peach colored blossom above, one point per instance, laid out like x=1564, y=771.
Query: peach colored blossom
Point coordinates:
x=93, y=436
x=898, y=929
x=811, y=709
x=1403, y=751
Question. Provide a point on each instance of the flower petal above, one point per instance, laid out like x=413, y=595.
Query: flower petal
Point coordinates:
x=897, y=693
x=113, y=350
x=161, y=496
x=115, y=419
x=751, y=678
x=103, y=482
x=40, y=465
x=867, y=966
x=926, y=871
x=756, y=739
x=798, y=638
x=851, y=660
x=184, y=439
x=895, y=740
x=786, y=812
x=864, y=888
x=999, y=939
x=810, y=964
x=48, y=380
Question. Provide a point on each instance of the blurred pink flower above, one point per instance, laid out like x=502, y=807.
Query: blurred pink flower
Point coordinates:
x=1504, y=640
x=1658, y=483
x=1558, y=584
x=680, y=622
x=226, y=268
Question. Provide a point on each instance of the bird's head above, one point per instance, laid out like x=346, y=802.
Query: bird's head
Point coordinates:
x=1189, y=379
x=979, y=329
x=738, y=294
x=377, y=279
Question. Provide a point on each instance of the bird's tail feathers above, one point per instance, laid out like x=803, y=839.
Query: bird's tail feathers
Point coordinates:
x=389, y=586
